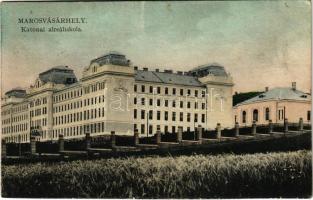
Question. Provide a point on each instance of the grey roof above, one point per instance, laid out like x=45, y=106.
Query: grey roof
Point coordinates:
x=58, y=75
x=203, y=70
x=16, y=92
x=113, y=57
x=279, y=93
x=167, y=78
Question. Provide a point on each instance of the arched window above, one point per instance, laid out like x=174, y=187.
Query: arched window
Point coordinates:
x=267, y=114
x=255, y=115
x=244, y=116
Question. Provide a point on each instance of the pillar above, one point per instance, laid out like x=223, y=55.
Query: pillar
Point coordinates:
x=3, y=148
x=301, y=124
x=218, y=131
x=113, y=139
x=179, y=135
x=199, y=135
x=286, y=126
x=136, y=137
x=61, y=143
x=32, y=145
x=253, y=127
x=88, y=141
x=158, y=136
x=270, y=127
x=236, y=129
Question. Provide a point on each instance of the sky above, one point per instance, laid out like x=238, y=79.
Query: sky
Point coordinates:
x=260, y=43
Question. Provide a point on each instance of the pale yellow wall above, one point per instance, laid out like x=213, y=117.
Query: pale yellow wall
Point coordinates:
x=295, y=110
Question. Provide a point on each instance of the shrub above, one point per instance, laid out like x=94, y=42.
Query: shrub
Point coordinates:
x=223, y=176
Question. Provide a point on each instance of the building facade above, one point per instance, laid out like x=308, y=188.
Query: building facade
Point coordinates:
x=277, y=105
x=113, y=95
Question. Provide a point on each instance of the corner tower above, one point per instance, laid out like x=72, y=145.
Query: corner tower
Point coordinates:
x=114, y=75
x=219, y=86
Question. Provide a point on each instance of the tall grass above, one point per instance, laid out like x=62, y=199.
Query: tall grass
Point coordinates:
x=285, y=174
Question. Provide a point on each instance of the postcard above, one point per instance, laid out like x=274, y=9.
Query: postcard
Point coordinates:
x=156, y=99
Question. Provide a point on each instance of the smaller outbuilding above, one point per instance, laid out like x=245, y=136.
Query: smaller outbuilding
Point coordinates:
x=276, y=104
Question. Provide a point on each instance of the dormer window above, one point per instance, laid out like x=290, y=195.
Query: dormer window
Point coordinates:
x=261, y=96
x=303, y=96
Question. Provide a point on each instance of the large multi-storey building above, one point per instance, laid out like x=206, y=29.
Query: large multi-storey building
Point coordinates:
x=113, y=95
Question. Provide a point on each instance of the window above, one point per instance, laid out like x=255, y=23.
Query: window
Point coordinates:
x=174, y=91
x=203, y=106
x=166, y=90
x=135, y=100
x=142, y=129
x=135, y=88
x=173, y=129
x=196, y=117
x=135, y=113
x=196, y=105
x=188, y=92
x=150, y=102
x=309, y=115
x=166, y=103
x=255, y=115
x=203, y=93
x=158, y=115
x=174, y=103
x=158, y=102
x=150, y=114
x=165, y=115
x=159, y=90
x=143, y=88
x=188, y=117
x=142, y=114
x=142, y=101
x=188, y=104
x=151, y=89
x=281, y=114
x=196, y=93
x=267, y=114
x=203, y=118
x=173, y=116
x=244, y=116
x=166, y=129
x=181, y=92
x=181, y=116
x=150, y=130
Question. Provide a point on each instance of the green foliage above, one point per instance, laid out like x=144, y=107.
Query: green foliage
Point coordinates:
x=285, y=174
x=240, y=97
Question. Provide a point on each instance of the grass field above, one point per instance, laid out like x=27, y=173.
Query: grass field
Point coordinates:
x=286, y=174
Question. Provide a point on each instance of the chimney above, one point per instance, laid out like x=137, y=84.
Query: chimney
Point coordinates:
x=157, y=70
x=266, y=89
x=294, y=85
x=136, y=68
x=145, y=69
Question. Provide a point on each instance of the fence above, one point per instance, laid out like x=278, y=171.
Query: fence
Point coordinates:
x=114, y=142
